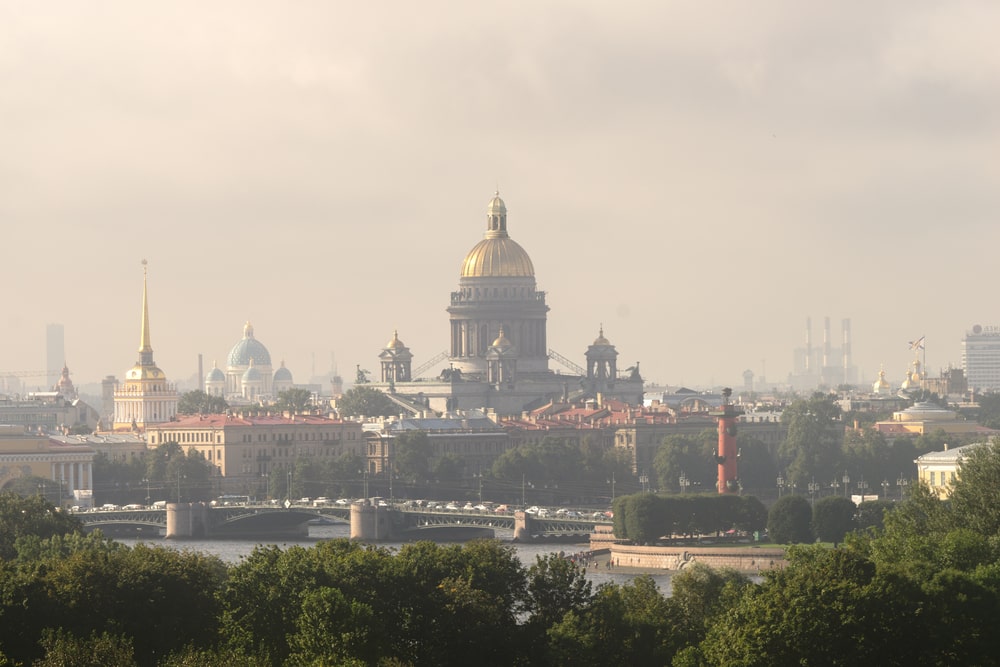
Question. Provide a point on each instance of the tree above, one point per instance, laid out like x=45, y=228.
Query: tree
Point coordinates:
x=790, y=521
x=294, y=400
x=833, y=518
x=976, y=496
x=812, y=447
x=629, y=625
x=31, y=515
x=365, y=402
x=197, y=402
x=828, y=607
x=690, y=457
x=412, y=456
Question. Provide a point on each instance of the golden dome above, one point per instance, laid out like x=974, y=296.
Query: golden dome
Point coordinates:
x=497, y=258
x=601, y=340
x=395, y=343
x=497, y=255
x=501, y=341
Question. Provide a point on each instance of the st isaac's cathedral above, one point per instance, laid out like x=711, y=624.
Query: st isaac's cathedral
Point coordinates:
x=498, y=354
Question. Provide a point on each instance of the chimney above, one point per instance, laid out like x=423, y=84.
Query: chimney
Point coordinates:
x=826, y=343
x=809, y=345
x=846, y=324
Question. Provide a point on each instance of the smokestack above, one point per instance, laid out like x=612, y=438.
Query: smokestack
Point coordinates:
x=826, y=342
x=201, y=373
x=809, y=343
x=846, y=324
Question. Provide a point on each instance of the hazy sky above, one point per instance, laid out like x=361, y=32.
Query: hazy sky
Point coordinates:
x=700, y=177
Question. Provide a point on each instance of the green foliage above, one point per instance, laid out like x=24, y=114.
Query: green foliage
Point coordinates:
x=989, y=410
x=812, y=447
x=428, y=604
x=833, y=518
x=97, y=650
x=976, y=496
x=690, y=457
x=871, y=514
x=790, y=521
x=197, y=402
x=644, y=517
x=294, y=400
x=699, y=595
x=361, y=401
x=412, y=456
x=828, y=607
x=629, y=625
x=555, y=587
x=177, y=473
x=557, y=461
x=30, y=516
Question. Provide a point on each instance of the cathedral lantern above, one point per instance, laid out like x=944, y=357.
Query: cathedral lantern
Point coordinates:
x=727, y=454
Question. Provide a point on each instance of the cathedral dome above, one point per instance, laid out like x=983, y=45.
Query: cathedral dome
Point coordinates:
x=497, y=255
x=252, y=374
x=282, y=374
x=249, y=348
x=215, y=375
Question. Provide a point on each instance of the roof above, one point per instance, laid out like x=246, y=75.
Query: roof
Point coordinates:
x=221, y=421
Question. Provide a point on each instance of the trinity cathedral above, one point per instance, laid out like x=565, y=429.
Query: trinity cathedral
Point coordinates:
x=499, y=355
x=249, y=376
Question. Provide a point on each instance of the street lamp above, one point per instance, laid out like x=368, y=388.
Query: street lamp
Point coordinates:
x=145, y=480
x=862, y=487
x=684, y=482
x=179, y=487
x=781, y=484
x=267, y=485
x=612, y=483
x=901, y=483
x=885, y=489
x=813, y=488
x=835, y=484
x=643, y=480
x=847, y=483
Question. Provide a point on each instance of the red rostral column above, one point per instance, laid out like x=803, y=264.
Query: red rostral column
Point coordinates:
x=727, y=454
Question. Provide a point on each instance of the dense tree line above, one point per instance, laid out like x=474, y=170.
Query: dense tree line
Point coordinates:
x=644, y=518
x=922, y=588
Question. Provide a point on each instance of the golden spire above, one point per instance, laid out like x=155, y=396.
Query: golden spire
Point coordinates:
x=145, y=348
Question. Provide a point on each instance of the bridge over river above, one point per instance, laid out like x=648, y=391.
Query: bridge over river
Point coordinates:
x=368, y=522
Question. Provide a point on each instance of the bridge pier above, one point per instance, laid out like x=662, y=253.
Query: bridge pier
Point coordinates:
x=186, y=520
x=522, y=526
x=370, y=523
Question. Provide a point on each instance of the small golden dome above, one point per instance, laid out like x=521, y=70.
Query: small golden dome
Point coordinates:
x=601, y=340
x=501, y=341
x=395, y=343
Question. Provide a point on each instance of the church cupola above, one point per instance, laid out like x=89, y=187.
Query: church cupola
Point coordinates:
x=501, y=362
x=396, y=360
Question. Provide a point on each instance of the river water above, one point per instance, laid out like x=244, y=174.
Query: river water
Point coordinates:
x=232, y=551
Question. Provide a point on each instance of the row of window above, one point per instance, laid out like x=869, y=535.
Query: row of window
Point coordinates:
x=944, y=477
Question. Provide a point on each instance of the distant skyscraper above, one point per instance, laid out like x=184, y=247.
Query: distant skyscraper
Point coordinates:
x=55, y=351
x=981, y=358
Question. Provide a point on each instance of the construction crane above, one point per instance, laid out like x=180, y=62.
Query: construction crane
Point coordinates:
x=30, y=374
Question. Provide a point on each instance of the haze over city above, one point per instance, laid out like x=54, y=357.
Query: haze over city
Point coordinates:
x=698, y=178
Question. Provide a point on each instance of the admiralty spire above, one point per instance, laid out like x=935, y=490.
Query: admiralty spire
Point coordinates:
x=145, y=397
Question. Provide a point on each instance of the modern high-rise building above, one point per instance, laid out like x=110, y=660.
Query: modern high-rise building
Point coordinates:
x=55, y=351
x=981, y=358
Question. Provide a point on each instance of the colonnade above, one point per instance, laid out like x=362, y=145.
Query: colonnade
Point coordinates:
x=75, y=474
